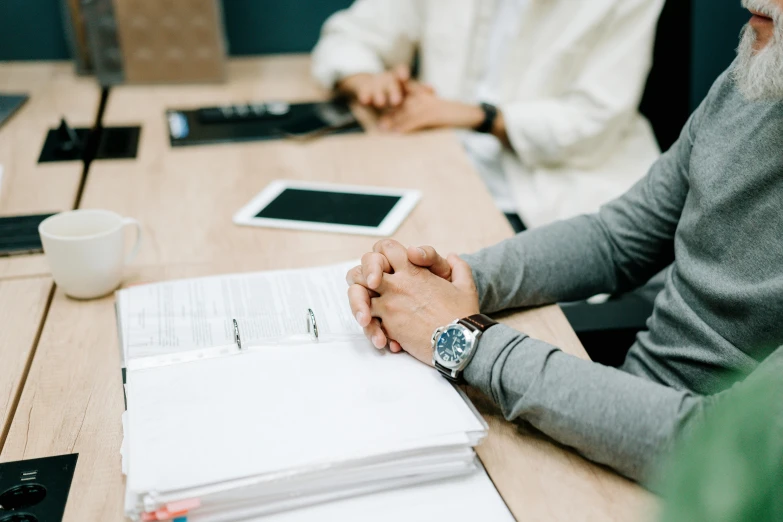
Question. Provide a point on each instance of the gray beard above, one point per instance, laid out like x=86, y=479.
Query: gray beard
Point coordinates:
x=759, y=75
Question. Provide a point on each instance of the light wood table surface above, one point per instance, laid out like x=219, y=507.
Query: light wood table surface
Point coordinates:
x=185, y=199
x=23, y=304
x=28, y=187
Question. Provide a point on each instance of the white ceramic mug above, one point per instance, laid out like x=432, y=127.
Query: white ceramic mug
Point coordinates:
x=86, y=250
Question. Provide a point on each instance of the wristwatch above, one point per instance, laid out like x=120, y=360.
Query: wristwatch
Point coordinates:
x=453, y=345
x=490, y=114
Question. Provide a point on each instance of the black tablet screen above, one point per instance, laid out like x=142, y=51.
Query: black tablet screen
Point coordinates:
x=338, y=208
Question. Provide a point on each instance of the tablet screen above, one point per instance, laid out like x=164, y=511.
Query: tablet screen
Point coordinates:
x=339, y=208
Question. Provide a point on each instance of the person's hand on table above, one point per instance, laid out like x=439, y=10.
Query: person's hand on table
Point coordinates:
x=394, y=298
x=423, y=109
x=363, y=279
x=382, y=90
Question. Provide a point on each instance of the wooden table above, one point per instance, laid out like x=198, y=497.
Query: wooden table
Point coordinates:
x=28, y=187
x=185, y=199
x=23, y=304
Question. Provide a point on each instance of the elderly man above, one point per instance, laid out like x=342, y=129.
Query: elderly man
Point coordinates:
x=545, y=94
x=712, y=207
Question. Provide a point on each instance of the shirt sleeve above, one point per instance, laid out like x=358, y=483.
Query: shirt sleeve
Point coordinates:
x=369, y=37
x=623, y=421
x=566, y=129
x=620, y=248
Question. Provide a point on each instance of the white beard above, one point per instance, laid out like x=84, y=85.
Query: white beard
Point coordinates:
x=759, y=74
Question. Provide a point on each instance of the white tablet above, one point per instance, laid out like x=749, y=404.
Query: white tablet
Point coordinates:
x=347, y=209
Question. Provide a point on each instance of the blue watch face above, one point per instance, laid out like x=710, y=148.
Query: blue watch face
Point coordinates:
x=452, y=345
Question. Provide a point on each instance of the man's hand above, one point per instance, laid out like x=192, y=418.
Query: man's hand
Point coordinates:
x=382, y=91
x=412, y=302
x=365, y=278
x=422, y=109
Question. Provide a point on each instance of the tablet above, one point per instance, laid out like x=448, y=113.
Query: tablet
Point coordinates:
x=347, y=209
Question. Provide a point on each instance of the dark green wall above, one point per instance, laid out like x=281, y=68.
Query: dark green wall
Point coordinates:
x=716, y=29
x=276, y=26
x=32, y=29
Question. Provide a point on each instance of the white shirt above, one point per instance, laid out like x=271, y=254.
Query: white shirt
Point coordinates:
x=485, y=150
x=569, y=90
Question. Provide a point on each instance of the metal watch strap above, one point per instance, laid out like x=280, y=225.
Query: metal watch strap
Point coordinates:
x=478, y=322
x=490, y=114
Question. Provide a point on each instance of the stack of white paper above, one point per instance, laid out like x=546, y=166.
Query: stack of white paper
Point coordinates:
x=281, y=424
x=468, y=498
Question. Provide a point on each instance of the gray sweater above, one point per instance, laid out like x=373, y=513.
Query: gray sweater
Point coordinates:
x=712, y=207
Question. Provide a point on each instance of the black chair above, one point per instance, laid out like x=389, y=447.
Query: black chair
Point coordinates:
x=609, y=329
x=667, y=96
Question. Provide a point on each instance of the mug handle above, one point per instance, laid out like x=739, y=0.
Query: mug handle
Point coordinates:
x=127, y=222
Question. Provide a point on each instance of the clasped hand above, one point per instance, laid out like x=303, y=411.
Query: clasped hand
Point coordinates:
x=400, y=296
x=407, y=105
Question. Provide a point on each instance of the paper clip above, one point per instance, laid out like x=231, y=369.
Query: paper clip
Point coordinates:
x=312, y=325
x=237, y=339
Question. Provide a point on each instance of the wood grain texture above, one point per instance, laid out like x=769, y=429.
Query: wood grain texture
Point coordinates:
x=27, y=187
x=72, y=404
x=34, y=265
x=22, y=308
x=185, y=199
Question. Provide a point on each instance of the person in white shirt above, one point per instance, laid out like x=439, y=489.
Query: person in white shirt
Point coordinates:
x=552, y=86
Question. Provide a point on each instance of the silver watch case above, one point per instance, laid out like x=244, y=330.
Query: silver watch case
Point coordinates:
x=454, y=368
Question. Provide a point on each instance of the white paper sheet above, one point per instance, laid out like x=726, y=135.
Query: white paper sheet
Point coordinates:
x=124, y=444
x=464, y=499
x=270, y=306
x=276, y=497
x=282, y=408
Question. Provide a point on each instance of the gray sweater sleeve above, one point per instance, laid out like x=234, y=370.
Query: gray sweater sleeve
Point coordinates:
x=608, y=415
x=621, y=247
x=611, y=417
